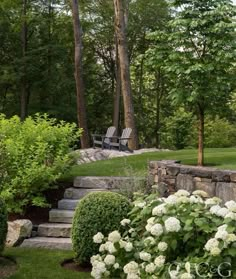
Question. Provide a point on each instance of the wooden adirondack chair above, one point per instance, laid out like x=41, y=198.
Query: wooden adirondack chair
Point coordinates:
x=103, y=140
x=122, y=142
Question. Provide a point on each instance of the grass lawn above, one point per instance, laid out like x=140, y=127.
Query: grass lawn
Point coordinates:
x=222, y=158
x=42, y=264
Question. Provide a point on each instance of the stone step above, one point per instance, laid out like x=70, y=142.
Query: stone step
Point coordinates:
x=61, y=216
x=106, y=182
x=48, y=242
x=67, y=204
x=54, y=230
x=78, y=193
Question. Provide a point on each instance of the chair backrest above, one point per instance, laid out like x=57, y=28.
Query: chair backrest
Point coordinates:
x=125, y=134
x=110, y=133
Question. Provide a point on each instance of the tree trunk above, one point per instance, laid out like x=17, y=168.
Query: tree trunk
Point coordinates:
x=125, y=72
x=81, y=110
x=117, y=93
x=200, y=136
x=24, y=86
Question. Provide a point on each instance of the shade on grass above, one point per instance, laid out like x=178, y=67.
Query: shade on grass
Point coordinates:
x=42, y=264
x=223, y=158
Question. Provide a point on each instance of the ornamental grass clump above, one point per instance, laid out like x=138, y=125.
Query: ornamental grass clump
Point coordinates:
x=98, y=211
x=183, y=236
x=3, y=225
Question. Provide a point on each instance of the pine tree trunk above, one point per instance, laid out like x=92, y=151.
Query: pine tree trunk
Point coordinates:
x=117, y=93
x=81, y=109
x=200, y=136
x=24, y=85
x=125, y=72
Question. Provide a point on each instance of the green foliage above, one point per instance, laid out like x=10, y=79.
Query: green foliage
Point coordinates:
x=184, y=229
x=177, y=133
x=36, y=154
x=3, y=225
x=99, y=211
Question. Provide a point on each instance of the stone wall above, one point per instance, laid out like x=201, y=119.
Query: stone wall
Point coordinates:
x=172, y=176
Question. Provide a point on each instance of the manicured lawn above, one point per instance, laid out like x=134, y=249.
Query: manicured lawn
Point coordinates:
x=223, y=158
x=42, y=264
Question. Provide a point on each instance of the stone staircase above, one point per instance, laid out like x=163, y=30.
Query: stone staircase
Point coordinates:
x=56, y=233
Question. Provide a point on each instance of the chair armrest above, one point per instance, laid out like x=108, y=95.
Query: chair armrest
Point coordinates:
x=97, y=135
x=124, y=138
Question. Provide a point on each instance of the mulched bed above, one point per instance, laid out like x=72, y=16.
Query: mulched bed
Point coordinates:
x=7, y=267
x=71, y=265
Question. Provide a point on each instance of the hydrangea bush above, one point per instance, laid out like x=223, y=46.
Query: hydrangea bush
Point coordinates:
x=180, y=237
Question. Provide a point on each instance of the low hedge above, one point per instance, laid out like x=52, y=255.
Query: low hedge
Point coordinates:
x=3, y=225
x=97, y=212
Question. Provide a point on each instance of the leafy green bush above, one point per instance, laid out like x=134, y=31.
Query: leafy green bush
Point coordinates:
x=98, y=211
x=3, y=225
x=35, y=154
x=180, y=237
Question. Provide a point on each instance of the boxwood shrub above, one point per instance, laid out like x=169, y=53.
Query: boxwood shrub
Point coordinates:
x=97, y=212
x=3, y=225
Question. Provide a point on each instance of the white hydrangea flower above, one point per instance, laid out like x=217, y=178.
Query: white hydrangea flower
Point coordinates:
x=196, y=199
x=99, y=268
x=102, y=248
x=171, y=199
x=160, y=261
x=133, y=276
x=221, y=235
x=215, y=251
x=140, y=204
x=174, y=274
x=186, y=276
x=148, y=227
x=125, y=222
x=213, y=201
x=114, y=236
x=162, y=246
x=159, y=210
x=200, y=193
x=231, y=205
x=110, y=260
x=151, y=221
x=95, y=258
x=172, y=224
x=214, y=209
x=128, y=247
x=222, y=212
x=122, y=243
x=150, y=268
x=183, y=199
x=181, y=193
x=157, y=230
x=145, y=256
x=222, y=227
x=231, y=238
x=231, y=215
x=116, y=265
x=98, y=238
x=149, y=241
x=109, y=246
x=211, y=243
x=131, y=267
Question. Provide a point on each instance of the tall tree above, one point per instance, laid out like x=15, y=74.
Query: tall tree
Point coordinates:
x=126, y=89
x=203, y=52
x=81, y=109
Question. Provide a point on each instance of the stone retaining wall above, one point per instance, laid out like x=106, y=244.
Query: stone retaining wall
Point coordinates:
x=172, y=176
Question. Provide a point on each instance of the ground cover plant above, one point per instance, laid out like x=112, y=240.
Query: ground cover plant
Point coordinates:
x=180, y=237
x=34, y=154
x=101, y=211
x=222, y=158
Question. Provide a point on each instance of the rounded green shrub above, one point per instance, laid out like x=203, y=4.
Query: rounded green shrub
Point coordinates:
x=97, y=212
x=3, y=225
